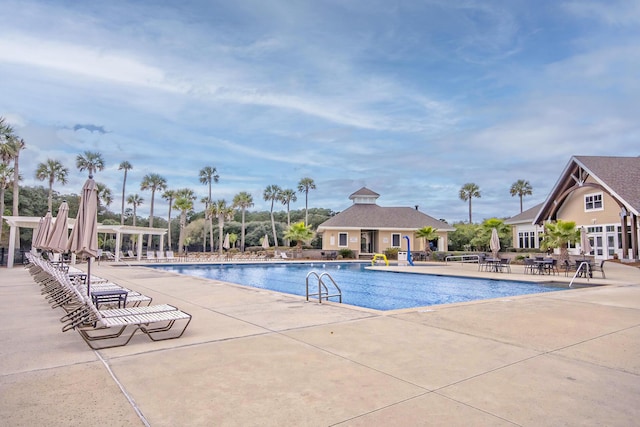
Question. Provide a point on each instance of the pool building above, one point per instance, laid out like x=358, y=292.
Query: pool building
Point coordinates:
x=367, y=228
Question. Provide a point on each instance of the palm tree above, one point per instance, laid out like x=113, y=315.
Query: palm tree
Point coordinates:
x=134, y=200
x=152, y=182
x=243, y=201
x=272, y=193
x=209, y=174
x=427, y=233
x=184, y=203
x=467, y=192
x=169, y=195
x=299, y=233
x=126, y=166
x=521, y=188
x=91, y=161
x=222, y=212
x=205, y=200
x=558, y=235
x=304, y=186
x=52, y=170
x=286, y=197
x=104, y=195
x=6, y=176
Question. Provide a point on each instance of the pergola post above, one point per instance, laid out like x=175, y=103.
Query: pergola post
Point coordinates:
x=12, y=246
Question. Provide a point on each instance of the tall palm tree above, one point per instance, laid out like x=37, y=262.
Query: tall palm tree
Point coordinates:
x=304, y=186
x=521, y=188
x=468, y=192
x=52, y=170
x=209, y=174
x=169, y=195
x=222, y=212
x=126, y=166
x=272, y=193
x=243, y=201
x=91, y=161
x=6, y=176
x=152, y=182
x=134, y=200
x=205, y=200
x=10, y=147
x=286, y=197
x=104, y=195
x=184, y=203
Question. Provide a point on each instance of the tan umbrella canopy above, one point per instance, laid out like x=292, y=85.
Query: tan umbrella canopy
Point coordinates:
x=59, y=233
x=585, y=244
x=43, y=233
x=36, y=234
x=226, y=243
x=494, y=244
x=265, y=242
x=84, y=237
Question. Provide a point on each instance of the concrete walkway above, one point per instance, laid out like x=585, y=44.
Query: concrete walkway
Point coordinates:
x=258, y=358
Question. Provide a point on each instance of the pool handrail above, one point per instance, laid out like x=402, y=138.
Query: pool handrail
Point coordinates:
x=322, y=285
x=463, y=258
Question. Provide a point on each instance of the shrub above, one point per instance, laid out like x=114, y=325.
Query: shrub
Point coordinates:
x=346, y=253
x=391, y=253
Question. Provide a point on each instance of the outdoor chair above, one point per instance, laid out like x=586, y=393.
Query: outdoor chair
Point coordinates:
x=529, y=266
x=160, y=256
x=106, y=329
x=505, y=264
x=151, y=256
x=170, y=256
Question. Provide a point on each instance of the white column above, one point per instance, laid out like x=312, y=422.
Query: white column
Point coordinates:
x=12, y=246
x=162, y=243
x=140, y=246
x=118, y=239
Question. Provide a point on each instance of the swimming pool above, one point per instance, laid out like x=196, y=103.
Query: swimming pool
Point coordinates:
x=378, y=290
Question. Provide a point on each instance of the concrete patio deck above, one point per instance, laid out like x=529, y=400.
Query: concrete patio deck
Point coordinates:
x=255, y=357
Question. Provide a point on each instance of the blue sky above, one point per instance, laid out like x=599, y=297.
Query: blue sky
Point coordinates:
x=411, y=99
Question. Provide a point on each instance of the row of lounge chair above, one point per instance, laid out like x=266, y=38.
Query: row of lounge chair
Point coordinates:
x=97, y=323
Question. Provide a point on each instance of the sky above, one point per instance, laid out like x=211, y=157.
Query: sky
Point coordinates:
x=411, y=99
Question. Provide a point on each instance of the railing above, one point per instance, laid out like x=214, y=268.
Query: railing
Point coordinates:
x=463, y=258
x=587, y=273
x=323, y=291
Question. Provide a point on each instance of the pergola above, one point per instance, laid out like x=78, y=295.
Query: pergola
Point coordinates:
x=32, y=222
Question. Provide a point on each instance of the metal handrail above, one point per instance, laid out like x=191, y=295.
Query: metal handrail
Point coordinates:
x=463, y=258
x=585, y=264
x=321, y=286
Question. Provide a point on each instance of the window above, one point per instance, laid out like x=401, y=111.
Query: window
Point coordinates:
x=593, y=202
x=342, y=239
x=395, y=240
x=527, y=239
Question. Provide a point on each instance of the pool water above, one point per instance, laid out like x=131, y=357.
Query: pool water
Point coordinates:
x=361, y=287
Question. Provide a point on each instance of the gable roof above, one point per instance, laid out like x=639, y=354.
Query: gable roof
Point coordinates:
x=365, y=216
x=526, y=216
x=619, y=176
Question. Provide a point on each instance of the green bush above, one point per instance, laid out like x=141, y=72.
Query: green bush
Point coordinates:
x=346, y=254
x=391, y=253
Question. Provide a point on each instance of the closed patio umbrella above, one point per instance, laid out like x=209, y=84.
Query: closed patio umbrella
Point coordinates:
x=84, y=237
x=36, y=234
x=585, y=244
x=494, y=244
x=226, y=243
x=59, y=235
x=43, y=234
x=265, y=242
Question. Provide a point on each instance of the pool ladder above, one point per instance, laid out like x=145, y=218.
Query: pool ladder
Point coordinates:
x=323, y=291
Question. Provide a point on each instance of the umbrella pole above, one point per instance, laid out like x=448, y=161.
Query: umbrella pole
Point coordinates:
x=89, y=277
